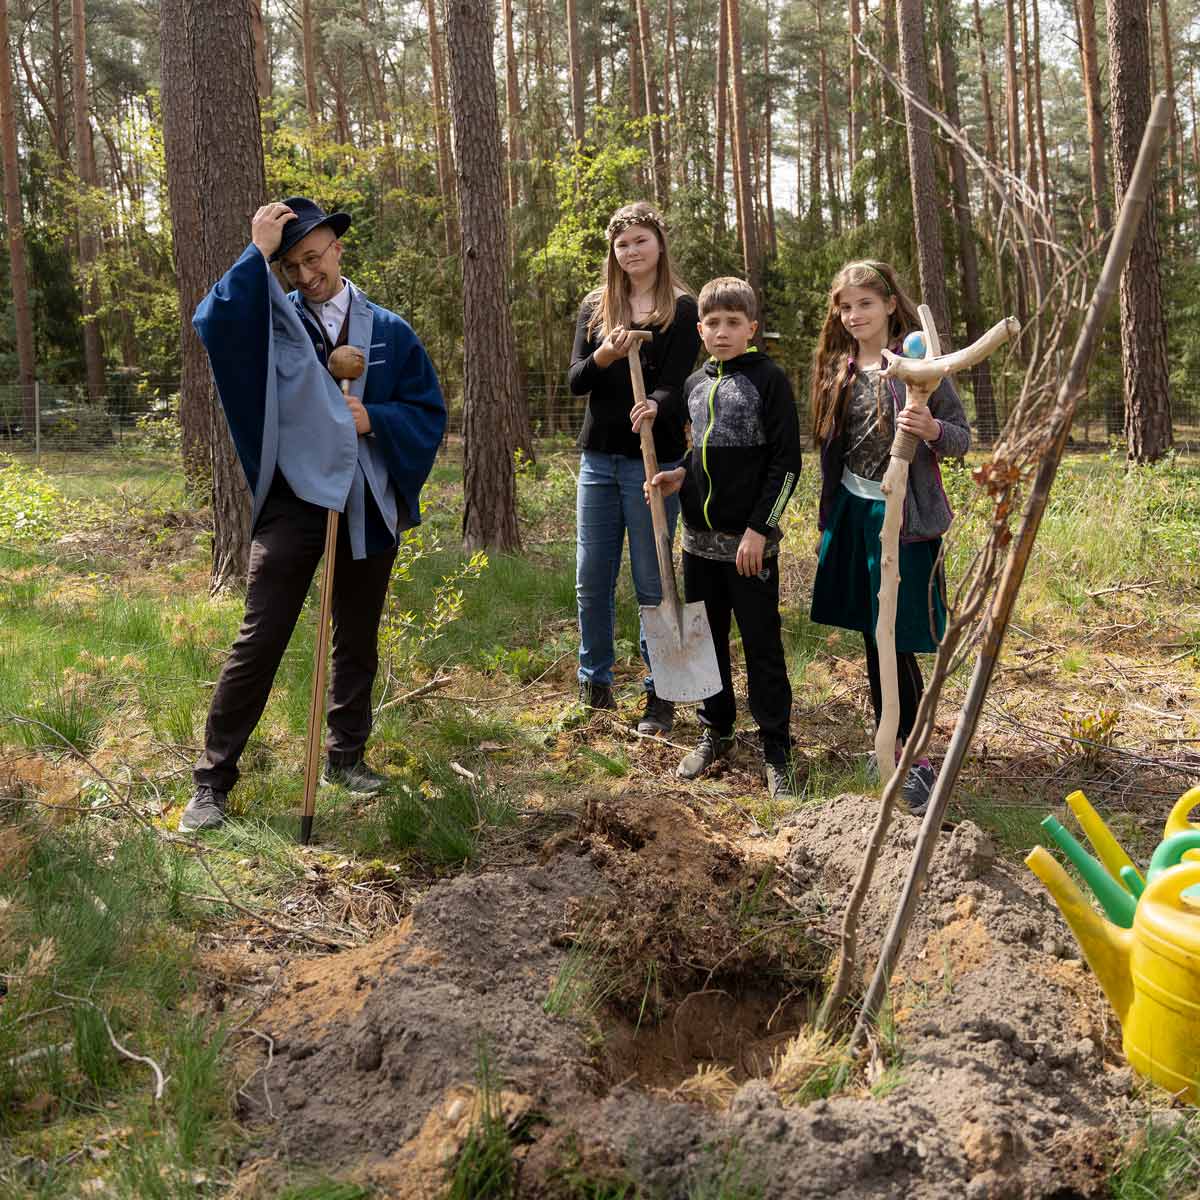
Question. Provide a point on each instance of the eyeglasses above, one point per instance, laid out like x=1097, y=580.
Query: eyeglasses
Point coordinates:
x=310, y=262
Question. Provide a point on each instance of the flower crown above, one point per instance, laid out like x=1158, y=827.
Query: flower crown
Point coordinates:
x=619, y=224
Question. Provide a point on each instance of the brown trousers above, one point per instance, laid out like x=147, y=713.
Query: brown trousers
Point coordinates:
x=286, y=548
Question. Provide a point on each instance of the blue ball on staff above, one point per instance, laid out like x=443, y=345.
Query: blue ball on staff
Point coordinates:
x=914, y=345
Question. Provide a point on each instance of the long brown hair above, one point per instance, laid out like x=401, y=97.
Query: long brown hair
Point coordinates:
x=835, y=346
x=611, y=304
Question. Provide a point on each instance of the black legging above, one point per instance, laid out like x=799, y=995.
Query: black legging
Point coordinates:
x=909, y=681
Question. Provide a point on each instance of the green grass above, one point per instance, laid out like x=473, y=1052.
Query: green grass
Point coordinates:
x=1160, y=1164
x=484, y=1168
x=583, y=983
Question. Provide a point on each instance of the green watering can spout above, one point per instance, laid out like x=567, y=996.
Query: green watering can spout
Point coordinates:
x=1118, y=904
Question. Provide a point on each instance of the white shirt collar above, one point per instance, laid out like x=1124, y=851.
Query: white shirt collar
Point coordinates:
x=332, y=313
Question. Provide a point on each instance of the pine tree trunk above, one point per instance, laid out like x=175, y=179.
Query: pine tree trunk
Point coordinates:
x=575, y=66
x=1174, y=148
x=491, y=404
x=887, y=16
x=750, y=249
x=308, y=48
x=930, y=258
x=1012, y=99
x=262, y=68
x=512, y=107
x=61, y=139
x=1031, y=165
x=720, y=92
x=93, y=350
x=857, y=199
x=992, y=202
x=1143, y=322
x=981, y=375
x=1089, y=62
x=657, y=158
x=211, y=132
x=814, y=170
x=826, y=126
x=18, y=274
x=1037, y=96
x=445, y=169
x=772, y=240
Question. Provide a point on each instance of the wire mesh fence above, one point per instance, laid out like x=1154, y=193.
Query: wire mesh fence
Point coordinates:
x=49, y=421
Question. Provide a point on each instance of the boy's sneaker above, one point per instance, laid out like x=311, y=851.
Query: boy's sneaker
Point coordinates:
x=205, y=810
x=596, y=695
x=779, y=781
x=917, y=786
x=354, y=777
x=709, y=748
x=658, y=717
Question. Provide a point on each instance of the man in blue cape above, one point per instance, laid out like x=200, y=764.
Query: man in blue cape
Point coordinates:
x=305, y=448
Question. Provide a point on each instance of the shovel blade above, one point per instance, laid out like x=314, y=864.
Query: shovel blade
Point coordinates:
x=682, y=657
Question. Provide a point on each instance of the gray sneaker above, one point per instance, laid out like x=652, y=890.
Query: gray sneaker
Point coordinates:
x=205, y=810
x=709, y=748
x=658, y=717
x=917, y=786
x=779, y=781
x=355, y=777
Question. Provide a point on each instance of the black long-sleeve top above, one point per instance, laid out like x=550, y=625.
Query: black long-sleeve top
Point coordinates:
x=667, y=360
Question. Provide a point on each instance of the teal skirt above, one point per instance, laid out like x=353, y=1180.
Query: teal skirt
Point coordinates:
x=846, y=589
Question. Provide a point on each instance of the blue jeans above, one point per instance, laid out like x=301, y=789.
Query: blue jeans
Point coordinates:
x=609, y=501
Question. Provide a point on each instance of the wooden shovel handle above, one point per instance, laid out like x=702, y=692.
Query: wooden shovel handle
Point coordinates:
x=316, y=708
x=658, y=509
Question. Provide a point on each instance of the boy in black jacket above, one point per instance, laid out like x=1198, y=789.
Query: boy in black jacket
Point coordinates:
x=743, y=466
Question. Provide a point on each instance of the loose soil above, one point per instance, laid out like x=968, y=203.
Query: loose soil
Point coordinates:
x=699, y=957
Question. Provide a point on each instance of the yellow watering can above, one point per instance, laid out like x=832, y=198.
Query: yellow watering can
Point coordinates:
x=1178, y=821
x=1150, y=972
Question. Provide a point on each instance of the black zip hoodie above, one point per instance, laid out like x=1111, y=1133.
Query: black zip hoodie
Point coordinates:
x=745, y=456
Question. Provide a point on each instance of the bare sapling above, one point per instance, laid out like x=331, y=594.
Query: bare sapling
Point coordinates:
x=1061, y=416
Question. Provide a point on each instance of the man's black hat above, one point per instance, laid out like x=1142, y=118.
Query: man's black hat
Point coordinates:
x=308, y=217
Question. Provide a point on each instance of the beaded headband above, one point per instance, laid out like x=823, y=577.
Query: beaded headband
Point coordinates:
x=620, y=224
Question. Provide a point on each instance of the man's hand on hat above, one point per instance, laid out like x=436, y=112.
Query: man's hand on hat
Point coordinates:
x=266, y=230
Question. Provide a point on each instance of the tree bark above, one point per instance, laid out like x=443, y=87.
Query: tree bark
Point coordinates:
x=855, y=122
x=1012, y=99
x=445, y=169
x=19, y=276
x=657, y=156
x=93, y=350
x=992, y=203
x=491, y=404
x=1098, y=172
x=211, y=131
x=1143, y=321
x=981, y=374
x=1039, y=108
x=1174, y=148
x=826, y=126
x=1031, y=166
x=750, y=250
x=515, y=145
x=721, y=91
x=930, y=259
x=308, y=50
x=575, y=66
x=768, y=112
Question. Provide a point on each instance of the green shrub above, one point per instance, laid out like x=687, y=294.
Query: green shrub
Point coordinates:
x=31, y=507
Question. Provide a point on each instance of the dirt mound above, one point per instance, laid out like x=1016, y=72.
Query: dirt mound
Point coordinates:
x=686, y=951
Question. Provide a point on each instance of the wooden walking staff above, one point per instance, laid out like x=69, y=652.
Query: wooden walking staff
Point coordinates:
x=346, y=363
x=921, y=378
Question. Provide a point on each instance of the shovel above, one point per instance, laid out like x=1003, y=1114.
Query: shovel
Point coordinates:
x=678, y=638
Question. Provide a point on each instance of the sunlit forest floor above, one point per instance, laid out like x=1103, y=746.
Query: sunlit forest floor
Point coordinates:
x=115, y=938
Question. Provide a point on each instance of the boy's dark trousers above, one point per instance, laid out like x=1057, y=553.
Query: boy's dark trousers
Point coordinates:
x=287, y=546
x=754, y=601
